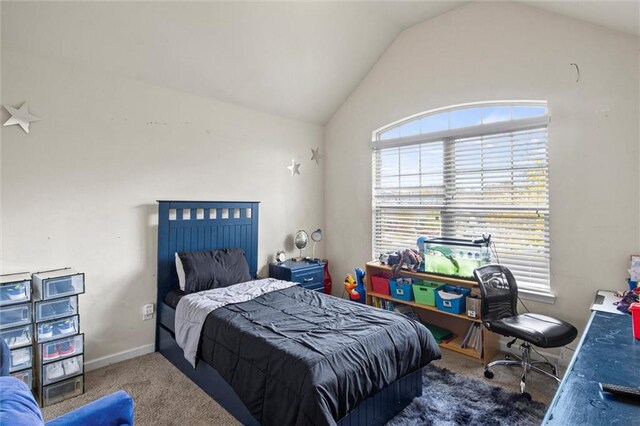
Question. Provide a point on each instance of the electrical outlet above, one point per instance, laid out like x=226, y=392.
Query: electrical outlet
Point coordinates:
x=148, y=311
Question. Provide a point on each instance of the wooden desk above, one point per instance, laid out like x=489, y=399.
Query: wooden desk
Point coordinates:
x=607, y=353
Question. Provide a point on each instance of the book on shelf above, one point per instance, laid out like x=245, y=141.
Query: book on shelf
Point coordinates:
x=473, y=338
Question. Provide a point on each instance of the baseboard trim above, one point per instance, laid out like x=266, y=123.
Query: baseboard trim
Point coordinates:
x=118, y=357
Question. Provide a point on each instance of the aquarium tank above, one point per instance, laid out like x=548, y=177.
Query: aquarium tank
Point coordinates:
x=454, y=257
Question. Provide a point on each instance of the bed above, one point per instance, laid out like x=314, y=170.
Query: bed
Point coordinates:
x=192, y=226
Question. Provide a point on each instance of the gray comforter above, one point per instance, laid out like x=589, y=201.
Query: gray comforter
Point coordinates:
x=298, y=357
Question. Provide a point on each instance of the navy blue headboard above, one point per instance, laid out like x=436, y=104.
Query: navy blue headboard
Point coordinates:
x=185, y=226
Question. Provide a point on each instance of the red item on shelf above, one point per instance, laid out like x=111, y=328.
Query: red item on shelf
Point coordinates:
x=328, y=283
x=635, y=319
x=380, y=285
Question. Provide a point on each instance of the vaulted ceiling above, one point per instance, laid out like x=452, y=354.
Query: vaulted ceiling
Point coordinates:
x=296, y=59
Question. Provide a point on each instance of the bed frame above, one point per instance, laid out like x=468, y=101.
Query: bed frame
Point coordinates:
x=185, y=226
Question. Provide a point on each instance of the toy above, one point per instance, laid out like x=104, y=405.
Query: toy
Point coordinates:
x=350, y=285
x=355, y=286
x=411, y=258
x=360, y=288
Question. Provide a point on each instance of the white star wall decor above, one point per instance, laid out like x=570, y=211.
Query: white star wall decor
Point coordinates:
x=315, y=155
x=20, y=116
x=294, y=167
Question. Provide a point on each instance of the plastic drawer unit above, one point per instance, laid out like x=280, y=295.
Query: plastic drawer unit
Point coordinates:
x=26, y=376
x=57, y=308
x=18, y=337
x=60, y=349
x=15, y=288
x=58, y=283
x=15, y=316
x=21, y=359
x=62, y=390
x=61, y=370
x=56, y=329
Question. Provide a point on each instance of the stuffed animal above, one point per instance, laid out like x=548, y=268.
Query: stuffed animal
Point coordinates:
x=411, y=258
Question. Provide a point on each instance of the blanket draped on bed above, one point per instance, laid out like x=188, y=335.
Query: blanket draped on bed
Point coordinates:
x=193, y=309
x=299, y=357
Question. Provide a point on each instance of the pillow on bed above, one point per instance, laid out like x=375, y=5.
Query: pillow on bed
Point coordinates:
x=180, y=272
x=205, y=270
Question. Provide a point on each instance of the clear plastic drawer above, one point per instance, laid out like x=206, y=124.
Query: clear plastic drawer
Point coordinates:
x=17, y=337
x=15, y=288
x=62, y=348
x=61, y=370
x=56, y=308
x=58, y=283
x=26, y=376
x=56, y=329
x=20, y=359
x=63, y=390
x=15, y=316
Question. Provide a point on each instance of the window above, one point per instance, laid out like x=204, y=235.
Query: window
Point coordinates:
x=464, y=171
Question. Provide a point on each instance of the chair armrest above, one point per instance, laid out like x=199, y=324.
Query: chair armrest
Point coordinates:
x=115, y=409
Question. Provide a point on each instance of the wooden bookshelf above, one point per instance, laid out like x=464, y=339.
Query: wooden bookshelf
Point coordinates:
x=458, y=324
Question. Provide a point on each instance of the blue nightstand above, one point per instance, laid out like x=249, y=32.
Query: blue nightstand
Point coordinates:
x=308, y=273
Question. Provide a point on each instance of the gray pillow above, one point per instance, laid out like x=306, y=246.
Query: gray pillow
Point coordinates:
x=205, y=270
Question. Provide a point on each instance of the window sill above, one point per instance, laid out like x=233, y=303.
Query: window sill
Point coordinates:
x=537, y=296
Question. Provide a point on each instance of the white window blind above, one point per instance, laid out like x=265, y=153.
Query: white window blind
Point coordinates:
x=493, y=183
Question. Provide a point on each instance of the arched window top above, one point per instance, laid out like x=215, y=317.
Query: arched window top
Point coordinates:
x=451, y=118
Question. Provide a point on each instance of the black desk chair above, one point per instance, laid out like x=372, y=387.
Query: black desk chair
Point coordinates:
x=499, y=314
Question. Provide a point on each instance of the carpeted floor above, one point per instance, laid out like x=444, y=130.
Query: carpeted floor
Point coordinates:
x=164, y=396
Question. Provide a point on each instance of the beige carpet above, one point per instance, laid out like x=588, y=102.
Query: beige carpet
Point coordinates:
x=164, y=396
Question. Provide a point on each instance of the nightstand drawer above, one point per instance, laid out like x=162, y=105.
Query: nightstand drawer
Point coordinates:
x=308, y=277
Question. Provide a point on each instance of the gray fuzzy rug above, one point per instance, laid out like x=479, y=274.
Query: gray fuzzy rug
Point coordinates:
x=451, y=399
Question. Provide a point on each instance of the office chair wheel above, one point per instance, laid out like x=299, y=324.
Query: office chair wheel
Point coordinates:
x=488, y=374
x=526, y=395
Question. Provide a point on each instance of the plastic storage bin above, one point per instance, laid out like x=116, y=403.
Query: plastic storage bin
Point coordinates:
x=425, y=292
x=58, y=283
x=61, y=370
x=401, y=289
x=18, y=337
x=380, y=285
x=21, y=358
x=62, y=390
x=26, y=376
x=452, y=299
x=61, y=348
x=15, y=288
x=56, y=308
x=15, y=316
x=56, y=329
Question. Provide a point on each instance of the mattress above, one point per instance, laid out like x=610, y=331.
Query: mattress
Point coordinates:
x=173, y=297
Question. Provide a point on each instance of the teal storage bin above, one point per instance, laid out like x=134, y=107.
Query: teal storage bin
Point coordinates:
x=401, y=289
x=425, y=292
x=452, y=299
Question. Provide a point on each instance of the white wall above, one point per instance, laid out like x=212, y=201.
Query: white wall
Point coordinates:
x=496, y=51
x=80, y=190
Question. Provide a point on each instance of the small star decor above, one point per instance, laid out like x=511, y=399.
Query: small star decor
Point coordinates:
x=20, y=116
x=294, y=167
x=315, y=155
